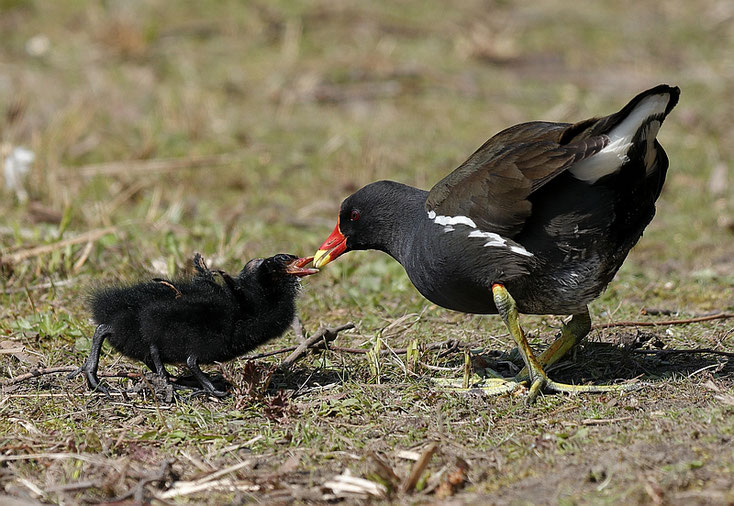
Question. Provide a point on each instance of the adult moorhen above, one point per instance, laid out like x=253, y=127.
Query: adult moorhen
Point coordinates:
x=196, y=321
x=538, y=220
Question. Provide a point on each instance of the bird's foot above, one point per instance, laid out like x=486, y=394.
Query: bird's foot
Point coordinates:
x=92, y=380
x=495, y=384
x=202, y=392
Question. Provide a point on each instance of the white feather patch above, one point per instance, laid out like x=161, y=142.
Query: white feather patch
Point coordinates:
x=451, y=220
x=497, y=241
x=614, y=155
x=520, y=251
x=493, y=240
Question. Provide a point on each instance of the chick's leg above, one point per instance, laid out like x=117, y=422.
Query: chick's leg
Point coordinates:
x=90, y=366
x=155, y=364
x=193, y=365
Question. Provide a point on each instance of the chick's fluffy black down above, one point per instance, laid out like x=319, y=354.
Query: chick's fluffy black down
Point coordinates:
x=197, y=316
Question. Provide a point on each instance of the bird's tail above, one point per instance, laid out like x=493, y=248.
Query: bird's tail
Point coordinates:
x=632, y=128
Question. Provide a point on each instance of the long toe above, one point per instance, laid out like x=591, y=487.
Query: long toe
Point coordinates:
x=102, y=389
x=199, y=392
x=75, y=373
x=553, y=386
x=488, y=386
x=94, y=383
x=218, y=393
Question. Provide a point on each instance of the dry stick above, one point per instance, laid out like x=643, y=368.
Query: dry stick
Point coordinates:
x=718, y=316
x=326, y=333
x=450, y=343
x=684, y=352
x=69, y=487
x=412, y=480
x=34, y=373
x=89, y=236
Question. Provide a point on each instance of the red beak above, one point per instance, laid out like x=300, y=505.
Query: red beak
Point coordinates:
x=333, y=246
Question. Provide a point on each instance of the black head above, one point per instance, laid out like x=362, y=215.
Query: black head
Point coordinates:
x=278, y=267
x=369, y=219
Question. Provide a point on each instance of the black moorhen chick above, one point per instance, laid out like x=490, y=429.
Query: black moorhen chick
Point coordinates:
x=538, y=220
x=196, y=321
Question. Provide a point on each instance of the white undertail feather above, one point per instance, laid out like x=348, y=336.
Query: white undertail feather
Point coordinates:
x=614, y=155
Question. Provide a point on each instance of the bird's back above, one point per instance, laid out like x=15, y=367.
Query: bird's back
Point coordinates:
x=585, y=221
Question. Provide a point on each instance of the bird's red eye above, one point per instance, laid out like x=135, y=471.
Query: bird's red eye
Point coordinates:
x=354, y=216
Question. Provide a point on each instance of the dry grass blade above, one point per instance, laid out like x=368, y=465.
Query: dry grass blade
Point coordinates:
x=186, y=488
x=154, y=165
x=346, y=485
x=603, y=421
x=89, y=236
x=208, y=482
x=384, y=470
x=415, y=473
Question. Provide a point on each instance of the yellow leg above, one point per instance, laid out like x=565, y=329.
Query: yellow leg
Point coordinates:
x=539, y=380
x=572, y=334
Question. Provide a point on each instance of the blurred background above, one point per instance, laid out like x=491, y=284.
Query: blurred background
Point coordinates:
x=134, y=133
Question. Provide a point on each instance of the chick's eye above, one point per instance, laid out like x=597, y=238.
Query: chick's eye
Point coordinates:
x=354, y=216
x=282, y=258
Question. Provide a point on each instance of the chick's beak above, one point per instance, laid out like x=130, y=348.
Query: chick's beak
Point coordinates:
x=333, y=246
x=298, y=267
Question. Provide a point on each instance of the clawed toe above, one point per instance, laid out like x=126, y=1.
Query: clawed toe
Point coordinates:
x=205, y=392
x=75, y=373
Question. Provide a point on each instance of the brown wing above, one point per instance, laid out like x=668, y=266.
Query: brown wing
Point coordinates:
x=492, y=187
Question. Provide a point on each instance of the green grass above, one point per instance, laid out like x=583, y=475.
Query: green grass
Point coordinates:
x=298, y=104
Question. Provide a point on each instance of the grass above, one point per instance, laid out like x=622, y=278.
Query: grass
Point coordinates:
x=278, y=111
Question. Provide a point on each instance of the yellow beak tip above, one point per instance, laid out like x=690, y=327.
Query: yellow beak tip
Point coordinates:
x=321, y=258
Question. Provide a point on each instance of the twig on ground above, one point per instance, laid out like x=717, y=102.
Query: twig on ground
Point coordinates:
x=448, y=343
x=384, y=470
x=34, y=373
x=717, y=316
x=451, y=344
x=326, y=334
x=684, y=352
x=69, y=487
x=84, y=457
